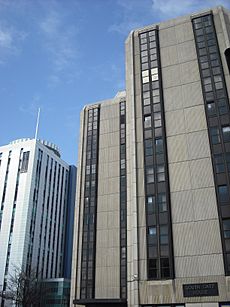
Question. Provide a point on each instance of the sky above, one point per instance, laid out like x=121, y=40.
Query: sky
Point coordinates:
x=62, y=54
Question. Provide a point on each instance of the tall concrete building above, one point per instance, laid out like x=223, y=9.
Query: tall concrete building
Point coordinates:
x=152, y=225
x=34, y=205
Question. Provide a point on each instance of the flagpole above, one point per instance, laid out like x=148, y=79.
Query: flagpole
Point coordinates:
x=37, y=125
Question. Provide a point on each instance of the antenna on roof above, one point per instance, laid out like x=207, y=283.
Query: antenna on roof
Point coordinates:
x=37, y=125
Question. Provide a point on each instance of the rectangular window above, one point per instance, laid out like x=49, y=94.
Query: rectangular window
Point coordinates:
x=147, y=121
x=223, y=193
x=219, y=163
x=150, y=174
x=215, y=135
x=226, y=225
x=226, y=133
x=25, y=161
x=211, y=107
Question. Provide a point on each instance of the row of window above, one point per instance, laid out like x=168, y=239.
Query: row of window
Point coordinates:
x=123, y=203
x=90, y=207
x=4, y=188
x=34, y=211
x=157, y=219
x=13, y=216
x=216, y=101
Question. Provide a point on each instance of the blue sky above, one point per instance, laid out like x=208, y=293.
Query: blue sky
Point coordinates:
x=60, y=55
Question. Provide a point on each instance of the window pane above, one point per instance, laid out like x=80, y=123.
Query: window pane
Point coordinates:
x=226, y=133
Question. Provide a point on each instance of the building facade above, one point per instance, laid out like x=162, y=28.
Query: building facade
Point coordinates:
x=152, y=224
x=34, y=203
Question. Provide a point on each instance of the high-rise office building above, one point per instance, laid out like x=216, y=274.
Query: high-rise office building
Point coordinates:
x=34, y=205
x=153, y=204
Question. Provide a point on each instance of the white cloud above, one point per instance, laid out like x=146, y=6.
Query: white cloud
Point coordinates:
x=174, y=8
x=58, y=40
x=10, y=42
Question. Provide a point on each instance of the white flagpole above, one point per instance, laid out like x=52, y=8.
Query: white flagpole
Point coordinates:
x=38, y=118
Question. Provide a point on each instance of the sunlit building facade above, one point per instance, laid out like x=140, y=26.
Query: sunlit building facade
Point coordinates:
x=33, y=214
x=152, y=225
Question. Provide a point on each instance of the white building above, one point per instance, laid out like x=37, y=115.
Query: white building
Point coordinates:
x=33, y=204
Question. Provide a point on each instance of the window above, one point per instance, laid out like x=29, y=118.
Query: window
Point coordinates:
x=160, y=173
x=219, y=163
x=152, y=231
x=163, y=234
x=147, y=121
x=227, y=56
x=226, y=225
x=215, y=135
x=148, y=147
x=151, y=204
x=157, y=119
x=222, y=106
x=154, y=74
x=159, y=145
x=150, y=174
x=226, y=133
x=152, y=268
x=228, y=161
x=25, y=161
x=165, y=271
x=211, y=107
x=161, y=200
x=223, y=193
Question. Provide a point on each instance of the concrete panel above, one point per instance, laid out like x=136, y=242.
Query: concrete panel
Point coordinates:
x=195, y=118
x=189, y=72
x=192, y=94
x=201, y=173
x=173, y=98
x=167, y=37
x=186, y=51
x=169, y=56
x=198, y=145
x=185, y=240
x=174, y=121
x=184, y=32
x=182, y=207
x=205, y=206
x=177, y=148
x=169, y=73
x=179, y=175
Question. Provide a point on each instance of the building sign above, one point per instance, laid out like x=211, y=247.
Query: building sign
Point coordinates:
x=207, y=289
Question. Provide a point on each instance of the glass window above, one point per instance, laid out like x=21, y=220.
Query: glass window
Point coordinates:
x=211, y=107
x=148, y=147
x=228, y=161
x=151, y=204
x=165, y=271
x=219, y=163
x=25, y=161
x=223, y=193
x=150, y=174
x=144, y=47
x=226, y=133
x=227, y=56
x=152, y=272
x=152, y=231
x=222, y=106
x=144, y=59
x=147, y=121
x=145, y=73
x=215, y=135
x=157, y=119
x=164, y=234
x=161, y=201
x=160, y=173
x=159, y=145
x=145, y=79
x=226, y=225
